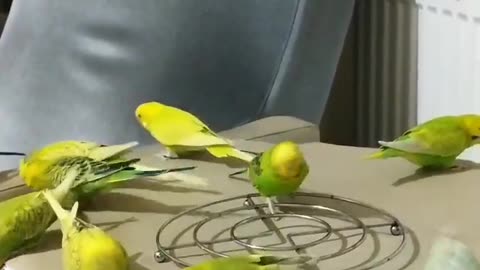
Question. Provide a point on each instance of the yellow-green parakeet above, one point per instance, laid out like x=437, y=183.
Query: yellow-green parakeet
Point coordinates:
x=42, y=168
x=249, y=262
x=278, y=171
x=24, y=219
x=181, y=132
x=448, y=253
x=80, y=148
x=434, y=144
x=85, y=246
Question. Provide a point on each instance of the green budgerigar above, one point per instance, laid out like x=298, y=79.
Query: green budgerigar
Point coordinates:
x=434, y=144
x=448, y=253
x=24, y=219
x=278, y=171
x=84, y=245
x=250, y=262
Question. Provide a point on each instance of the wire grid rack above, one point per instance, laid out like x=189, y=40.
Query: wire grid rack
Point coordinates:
x=315, y=223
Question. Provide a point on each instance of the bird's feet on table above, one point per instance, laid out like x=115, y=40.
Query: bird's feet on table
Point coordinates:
x=166, y=155
x=250, y=152
x=440, y=169
x=234, y=175
x=458, y=168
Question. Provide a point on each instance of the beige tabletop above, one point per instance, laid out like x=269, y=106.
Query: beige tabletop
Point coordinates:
x=423, y=203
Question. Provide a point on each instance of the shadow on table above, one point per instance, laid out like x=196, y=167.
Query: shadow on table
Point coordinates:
x=52, y=239
x=421, y=174
x=116, y=201
x=134, y=264
x=169, y=186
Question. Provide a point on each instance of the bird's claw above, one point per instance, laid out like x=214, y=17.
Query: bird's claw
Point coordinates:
x=236, y=173
x=458, y=168
x=271, y=208
x=166, y=155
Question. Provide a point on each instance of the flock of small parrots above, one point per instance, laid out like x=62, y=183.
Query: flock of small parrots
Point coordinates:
x=65, y=173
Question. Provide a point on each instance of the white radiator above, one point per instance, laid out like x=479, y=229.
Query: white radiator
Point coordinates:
x=449, y=60
x=386, y=67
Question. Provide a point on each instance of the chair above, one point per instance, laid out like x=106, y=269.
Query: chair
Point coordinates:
x=77, y=70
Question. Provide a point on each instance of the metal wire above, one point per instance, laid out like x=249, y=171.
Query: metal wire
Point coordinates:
x=164, y=253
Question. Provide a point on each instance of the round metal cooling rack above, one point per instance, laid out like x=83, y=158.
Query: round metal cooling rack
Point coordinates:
x=322, y=232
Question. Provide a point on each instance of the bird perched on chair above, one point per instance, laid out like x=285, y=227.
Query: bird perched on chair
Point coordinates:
x=85, y=246
x=278, y=171
x=249, y=262
x=448, y=253
x=181, y=132
x=42, y=168
x=434, y=144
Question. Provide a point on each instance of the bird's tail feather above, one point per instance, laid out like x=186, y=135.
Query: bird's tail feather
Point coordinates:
x=383, y=153
x=188, y=179
x=62, y=190
x=223, y=151
x=109, y=151
x=65, y=217
x=377, y=155
x=174, y=174
x=119, y=178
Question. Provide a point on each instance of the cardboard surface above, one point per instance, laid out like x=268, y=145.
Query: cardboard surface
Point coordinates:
x=421, y=203
x=275, y=129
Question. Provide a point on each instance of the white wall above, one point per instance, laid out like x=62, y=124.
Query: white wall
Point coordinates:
x=449, y=60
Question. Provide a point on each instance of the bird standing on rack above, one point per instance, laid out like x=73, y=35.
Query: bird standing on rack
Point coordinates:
x=434, y=144
x=249, y=262
x=85, y=246
x=277, y=171
x=181, y=132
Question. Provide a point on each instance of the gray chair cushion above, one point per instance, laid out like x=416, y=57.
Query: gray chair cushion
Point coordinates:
x=275, y=129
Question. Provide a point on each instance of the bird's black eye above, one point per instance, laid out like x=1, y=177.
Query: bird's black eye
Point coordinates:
x=475, y=137
x=139, y=115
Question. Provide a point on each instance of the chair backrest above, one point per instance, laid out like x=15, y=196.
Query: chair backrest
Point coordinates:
x=78, y=69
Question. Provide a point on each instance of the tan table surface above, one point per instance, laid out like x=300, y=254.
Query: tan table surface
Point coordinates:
x=421, y=203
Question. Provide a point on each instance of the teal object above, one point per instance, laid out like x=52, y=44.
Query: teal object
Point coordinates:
x=450, y=254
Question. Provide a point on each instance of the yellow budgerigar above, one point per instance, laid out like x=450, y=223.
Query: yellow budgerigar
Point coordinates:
x=25, y=218
x=80, y=148
x=434, y=144
x=85, y=246
x=40, y=168
x=181, y=132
